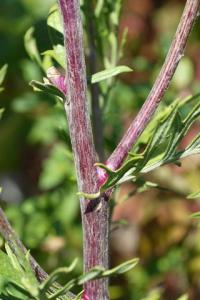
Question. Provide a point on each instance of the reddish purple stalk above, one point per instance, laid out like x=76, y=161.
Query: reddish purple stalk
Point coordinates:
x=95, y=221
x=161, y=84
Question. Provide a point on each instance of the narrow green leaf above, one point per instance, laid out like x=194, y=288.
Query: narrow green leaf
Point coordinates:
x=55, y=275
x=110, y=73
x=3, y=71
x=122, y=268
x=1, y=112
x=183, y=297
x=194, y=195
x=58, y=54
x=54, y=19
x=31, y=46
x=47, y=88
x=7, y=271
x=195, y=215
x=94, y=273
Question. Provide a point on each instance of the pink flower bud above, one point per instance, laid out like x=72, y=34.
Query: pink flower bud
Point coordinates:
x=85, y=297
x=57, y=79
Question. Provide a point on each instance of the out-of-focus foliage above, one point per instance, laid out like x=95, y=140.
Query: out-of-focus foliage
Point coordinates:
x=18, y=281
x=36, y=164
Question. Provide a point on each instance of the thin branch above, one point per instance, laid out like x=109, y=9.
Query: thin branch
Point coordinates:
x=161, y=84
x=12, y=239
x=95, y=222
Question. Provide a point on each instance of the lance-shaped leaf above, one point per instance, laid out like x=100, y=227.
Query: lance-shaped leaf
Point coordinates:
x=108, y=73
x=31, y=46
x=48, y=88
x=165, y=134
x=194, y=195
x=95, y=273
x=3, y=71
x=17, y=275
x=55, y=29
x=1, y=112
x=195, y=215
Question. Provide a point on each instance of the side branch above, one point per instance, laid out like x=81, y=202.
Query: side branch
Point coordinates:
x=161, y=84
x=11, y=238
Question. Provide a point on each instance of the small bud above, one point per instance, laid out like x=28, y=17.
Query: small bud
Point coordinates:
x=57, y=79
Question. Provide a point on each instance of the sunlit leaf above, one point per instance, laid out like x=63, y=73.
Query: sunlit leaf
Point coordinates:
x=31, y=46
x=164, y=137
x=54, y=19
x=58, y=54
x=194, y=195
x=195, y=215
x=1, y=112
x=47, y=88
x=3, y=71
x=183, y=297
x=105, y=74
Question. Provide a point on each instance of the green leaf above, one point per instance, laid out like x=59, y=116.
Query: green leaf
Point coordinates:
x=7, y=270
x=31, y=46
x=58, y=54
x=55, y=29
x=95, y=273
x=183, y=297
x=57, y=168
x=165, y=132
x=194, y=195
x=110, y=73
x=195, y=215
x=51, y=280
x=122, y=268
x=16, y=276
x=3, y=71
x=1, y=112
x=47, y=88
x=54, y=19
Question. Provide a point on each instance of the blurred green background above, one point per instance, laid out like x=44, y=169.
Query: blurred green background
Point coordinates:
x=36, y=164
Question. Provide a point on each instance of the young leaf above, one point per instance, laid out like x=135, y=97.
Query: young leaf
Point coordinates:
x=54, y=20
x=1, y=112
x=122, y=268
x=31, y=46
x=195, y=215
x=47, y=88
x=108, y=73
x=55, y=275
x=3, y=71
x=194, y=195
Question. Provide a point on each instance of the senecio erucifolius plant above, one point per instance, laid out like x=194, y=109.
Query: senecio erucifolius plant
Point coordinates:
x=150, y=141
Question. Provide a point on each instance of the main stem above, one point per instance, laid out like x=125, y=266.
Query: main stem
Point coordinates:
x=161, y=84
x=94, y=220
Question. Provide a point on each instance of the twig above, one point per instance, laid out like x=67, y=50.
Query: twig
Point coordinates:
x=160, y=86
x=12, y=239
x=94, y=222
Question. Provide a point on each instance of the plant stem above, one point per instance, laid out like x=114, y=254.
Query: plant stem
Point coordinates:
x=160, y=86
x=94, y=221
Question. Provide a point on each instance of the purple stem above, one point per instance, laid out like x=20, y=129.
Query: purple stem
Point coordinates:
x=161, y=84
x=94, y=221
